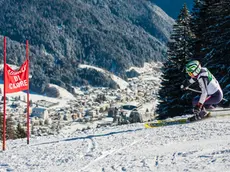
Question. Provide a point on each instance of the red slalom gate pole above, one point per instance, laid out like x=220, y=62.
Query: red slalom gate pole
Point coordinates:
x=4, y=103
x=28, y=95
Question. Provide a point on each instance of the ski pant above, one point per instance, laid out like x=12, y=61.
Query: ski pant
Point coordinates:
x=213, y=99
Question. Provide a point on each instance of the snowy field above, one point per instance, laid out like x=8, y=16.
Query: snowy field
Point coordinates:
x=200, y=146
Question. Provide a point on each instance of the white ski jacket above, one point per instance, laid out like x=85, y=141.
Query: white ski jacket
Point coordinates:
x=208, y=84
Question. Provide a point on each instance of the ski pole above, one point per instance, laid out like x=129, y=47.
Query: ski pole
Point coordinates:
x=197, y=91
x=188, y=88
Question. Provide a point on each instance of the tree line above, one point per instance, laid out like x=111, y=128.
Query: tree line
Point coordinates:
x=12, y=131
x=202, y=34
x=66, y=33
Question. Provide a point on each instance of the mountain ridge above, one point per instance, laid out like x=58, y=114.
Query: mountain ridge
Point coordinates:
x=114, y=35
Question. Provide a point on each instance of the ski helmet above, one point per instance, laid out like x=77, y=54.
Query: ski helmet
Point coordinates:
x=193, y=68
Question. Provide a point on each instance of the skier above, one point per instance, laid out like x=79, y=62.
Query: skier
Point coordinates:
x=211, y=92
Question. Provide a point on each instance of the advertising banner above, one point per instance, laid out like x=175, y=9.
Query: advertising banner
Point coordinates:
x=16, y=80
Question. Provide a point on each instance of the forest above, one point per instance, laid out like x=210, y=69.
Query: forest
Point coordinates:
x=204, y=35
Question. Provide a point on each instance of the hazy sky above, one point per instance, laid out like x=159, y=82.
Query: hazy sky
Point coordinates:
x=172, y=7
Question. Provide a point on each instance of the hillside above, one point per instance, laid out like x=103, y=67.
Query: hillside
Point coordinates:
x=103, y=75
x=95, y=76
x=201, y=146
x=88, y=105
x=114, y=35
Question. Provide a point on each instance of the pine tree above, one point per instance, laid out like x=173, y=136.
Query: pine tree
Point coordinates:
x=1, y=125
x=172, y=100
x=225, y=47
x=218, y=33
x=197, y=27
x=20, y=132
x=31, y=103
x=10, y=131
x=211, y=26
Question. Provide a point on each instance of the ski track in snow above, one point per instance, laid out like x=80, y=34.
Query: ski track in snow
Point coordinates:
x=200, y=146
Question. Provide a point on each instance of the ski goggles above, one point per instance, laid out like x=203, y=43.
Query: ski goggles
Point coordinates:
x=194, y=73
x=191, y=74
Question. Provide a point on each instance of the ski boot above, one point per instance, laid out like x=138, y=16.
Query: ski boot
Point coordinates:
x=203, y=113
x=198, y=115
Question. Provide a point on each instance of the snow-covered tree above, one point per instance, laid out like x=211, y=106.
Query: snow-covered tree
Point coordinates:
x=172, y=100
x=10, y=131
x=1, y=125
x=197, y=27
x=210, y=24
x=20, y=132
x=217, y=33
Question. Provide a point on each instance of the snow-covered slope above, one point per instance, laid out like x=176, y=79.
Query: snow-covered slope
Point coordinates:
x=122, y=83
x=201, y=146
x=62, y=100
x=146, y=68
x=63, y=92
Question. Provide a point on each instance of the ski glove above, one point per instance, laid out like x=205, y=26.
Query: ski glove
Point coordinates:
x=182, y=87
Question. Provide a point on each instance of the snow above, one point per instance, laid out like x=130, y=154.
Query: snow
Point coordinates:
x=12, y=66
x=63, y=92
x=64, y=96
x=62, y=100
x=200, y=146
x=147, y=67
x=122, y=83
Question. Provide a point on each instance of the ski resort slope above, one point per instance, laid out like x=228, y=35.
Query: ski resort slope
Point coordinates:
x=200, y=146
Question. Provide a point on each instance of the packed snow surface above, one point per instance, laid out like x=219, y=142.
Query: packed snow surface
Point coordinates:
x=200, y=146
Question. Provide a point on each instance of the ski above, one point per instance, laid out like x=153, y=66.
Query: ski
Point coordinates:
x=161, y=123
x=212, y=113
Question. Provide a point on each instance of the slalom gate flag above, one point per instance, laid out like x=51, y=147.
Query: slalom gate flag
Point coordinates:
x=16, y=80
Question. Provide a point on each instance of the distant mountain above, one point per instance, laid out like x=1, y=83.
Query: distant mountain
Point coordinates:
x=114, y=35
x=173, y=7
